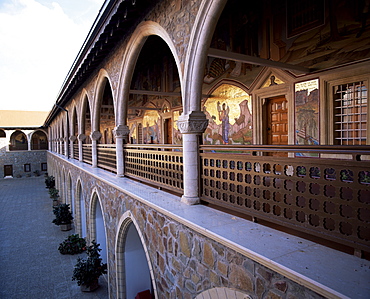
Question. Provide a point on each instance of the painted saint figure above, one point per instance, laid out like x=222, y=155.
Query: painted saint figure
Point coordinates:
x=223, y=116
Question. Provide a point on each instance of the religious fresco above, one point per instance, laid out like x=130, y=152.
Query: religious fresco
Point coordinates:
x=177, y=137
x=133, y=135
x=307, y=112
x=151, y=130
x=228, y=110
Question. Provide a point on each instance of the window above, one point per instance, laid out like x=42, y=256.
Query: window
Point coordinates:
x=27, y=167
x=2, y=133
x=44, y=166
x=350, y=113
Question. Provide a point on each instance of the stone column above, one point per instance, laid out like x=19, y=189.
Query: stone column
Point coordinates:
x=121, y=133
x=81, y=138
x=29, y=143
x=95, y=136
x=60, y=145
x=72, y=139
x=191, y=126
x=66, y=145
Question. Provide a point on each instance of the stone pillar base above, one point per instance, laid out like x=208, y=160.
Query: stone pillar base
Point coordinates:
x=190, y=200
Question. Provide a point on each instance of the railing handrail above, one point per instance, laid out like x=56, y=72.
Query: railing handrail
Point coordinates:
x=106, y=145
x=329, y=149
x=152, y=146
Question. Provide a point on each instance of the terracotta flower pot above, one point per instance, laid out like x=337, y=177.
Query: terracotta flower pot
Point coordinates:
x=65, y=227
x=89, y=288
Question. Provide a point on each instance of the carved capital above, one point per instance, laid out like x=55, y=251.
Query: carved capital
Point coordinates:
x=96, y=135
x=195, y=122
x=121, y=131
x=81, y=137
x=72, y=138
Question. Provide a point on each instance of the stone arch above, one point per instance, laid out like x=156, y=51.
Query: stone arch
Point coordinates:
x=39, y=140
x=97, y=224
x=85, y=124
x=74, y=121
x=2, y=133
x=18, y=141
x=200, y=40
x=80, y=215
x=69, y=195
x=63, y=185
x=137, y=40
x=127, y=220
x=101, y=84
x=220, y=293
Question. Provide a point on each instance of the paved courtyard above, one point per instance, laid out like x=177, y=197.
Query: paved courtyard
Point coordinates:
x=31, y=265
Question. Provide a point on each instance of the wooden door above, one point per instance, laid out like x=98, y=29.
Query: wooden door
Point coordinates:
x=8, y=170
x=167, y=130
x=277, y=121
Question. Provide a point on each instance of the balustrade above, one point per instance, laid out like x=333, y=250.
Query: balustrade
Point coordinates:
x=75, y=151
x=326, y=195
x=107, y=157
x=160, y=165
x=87, y=153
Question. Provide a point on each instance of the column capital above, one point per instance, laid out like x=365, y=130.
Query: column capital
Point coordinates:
x=81, y=137
x=96, y=135
x=121, y=131
x=195, y=122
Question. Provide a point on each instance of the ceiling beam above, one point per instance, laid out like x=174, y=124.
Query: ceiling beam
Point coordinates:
x=256, y=60
x=155, y=93
x=144, y=108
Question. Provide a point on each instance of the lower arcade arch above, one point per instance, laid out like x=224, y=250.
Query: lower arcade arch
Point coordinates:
x=98, y=227
x=134, y=270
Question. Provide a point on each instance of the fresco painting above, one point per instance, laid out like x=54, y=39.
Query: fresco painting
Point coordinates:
x=177, y=137
x=307, y=113
x=228, y=110
x=151, y=131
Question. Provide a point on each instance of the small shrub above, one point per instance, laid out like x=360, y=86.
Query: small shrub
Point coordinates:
x=62, y=214
x=88, y=270
x=72, y=245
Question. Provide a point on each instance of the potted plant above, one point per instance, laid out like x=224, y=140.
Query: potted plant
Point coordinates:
x=54, y=195
x=87, y=271
x=63, y=216
x=72, y=245
x=50, y=182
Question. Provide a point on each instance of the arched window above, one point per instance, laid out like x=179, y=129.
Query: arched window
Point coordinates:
x=2, y=133
x=18, y=141
x=39, y=141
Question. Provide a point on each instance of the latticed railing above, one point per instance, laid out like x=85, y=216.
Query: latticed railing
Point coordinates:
x=161, y=165
x=107, y=157
x=326, y=195
x=63, y=150
x=75, y=151
x=87, y=153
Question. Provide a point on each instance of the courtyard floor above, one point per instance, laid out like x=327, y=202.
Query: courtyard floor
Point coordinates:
x=31, y=265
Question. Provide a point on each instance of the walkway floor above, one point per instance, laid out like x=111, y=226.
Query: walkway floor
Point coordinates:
x=31, y=265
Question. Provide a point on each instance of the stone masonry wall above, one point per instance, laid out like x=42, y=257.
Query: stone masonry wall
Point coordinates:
x=18, y=158
x=185, y=262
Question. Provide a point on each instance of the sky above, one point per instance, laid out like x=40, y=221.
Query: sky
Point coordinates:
x=39, y=40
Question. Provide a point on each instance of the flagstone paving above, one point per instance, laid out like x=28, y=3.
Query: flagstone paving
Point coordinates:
x=31, y=265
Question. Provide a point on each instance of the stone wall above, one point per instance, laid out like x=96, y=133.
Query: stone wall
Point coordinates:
x=18, y=158
x=185, y=263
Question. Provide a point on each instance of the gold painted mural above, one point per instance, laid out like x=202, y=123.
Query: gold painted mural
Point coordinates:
x=228, y=110
x=151, y=130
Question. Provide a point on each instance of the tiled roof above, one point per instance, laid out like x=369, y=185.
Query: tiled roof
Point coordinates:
x=19, y=119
